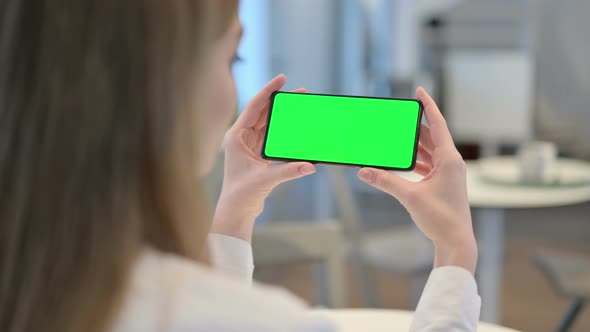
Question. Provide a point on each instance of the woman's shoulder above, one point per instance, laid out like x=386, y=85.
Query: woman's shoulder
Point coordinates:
x=171, y=293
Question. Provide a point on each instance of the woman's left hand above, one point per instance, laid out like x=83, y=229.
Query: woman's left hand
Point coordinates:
x=249, y=179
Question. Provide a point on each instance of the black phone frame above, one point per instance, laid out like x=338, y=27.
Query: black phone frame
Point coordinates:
x=417, y=138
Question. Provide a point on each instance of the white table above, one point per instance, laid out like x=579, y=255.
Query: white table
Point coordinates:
x=489, y=202
x=375, y=320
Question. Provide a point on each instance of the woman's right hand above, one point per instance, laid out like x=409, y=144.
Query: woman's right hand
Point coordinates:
x=438, y=204
x=248, y=179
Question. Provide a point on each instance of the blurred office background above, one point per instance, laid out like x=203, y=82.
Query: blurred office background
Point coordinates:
x=504, y=72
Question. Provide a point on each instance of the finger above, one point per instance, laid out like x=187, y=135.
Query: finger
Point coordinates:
x=256, y=106
x=385, y=181
x=438, y=126
x=263, y=117
x=426, y=138
x=422, y=168
x=424, y=154
x=259, y=141
x=283, y=172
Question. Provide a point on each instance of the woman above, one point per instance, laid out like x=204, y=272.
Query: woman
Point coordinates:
x=109, y=113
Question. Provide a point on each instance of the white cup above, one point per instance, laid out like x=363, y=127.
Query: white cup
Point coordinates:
x=538, y=162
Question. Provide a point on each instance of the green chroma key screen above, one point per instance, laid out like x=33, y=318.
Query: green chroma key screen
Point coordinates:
x=350, y=130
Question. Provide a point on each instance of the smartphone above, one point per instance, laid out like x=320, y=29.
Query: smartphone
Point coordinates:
x=347, y=130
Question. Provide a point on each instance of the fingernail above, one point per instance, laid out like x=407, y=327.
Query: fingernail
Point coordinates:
x=367, y=175
x=307, y=169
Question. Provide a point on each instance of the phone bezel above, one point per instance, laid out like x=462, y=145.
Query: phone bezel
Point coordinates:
x=417, y=138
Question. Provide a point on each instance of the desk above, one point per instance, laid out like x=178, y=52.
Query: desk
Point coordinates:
x=376, y=320
x=489, y=202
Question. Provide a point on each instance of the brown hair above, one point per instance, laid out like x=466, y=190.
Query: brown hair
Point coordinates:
x=96, y=153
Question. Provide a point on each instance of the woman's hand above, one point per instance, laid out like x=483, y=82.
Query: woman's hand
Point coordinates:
x=249, y=179
x=438, y=204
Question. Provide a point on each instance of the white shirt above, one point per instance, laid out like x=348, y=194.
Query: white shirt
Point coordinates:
x=174, y=294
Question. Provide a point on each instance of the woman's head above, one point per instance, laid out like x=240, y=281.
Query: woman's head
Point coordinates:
x=216, y=96
x=108, y=111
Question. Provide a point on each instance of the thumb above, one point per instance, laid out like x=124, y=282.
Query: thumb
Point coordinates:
x=385, y=181
x=283, y=172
